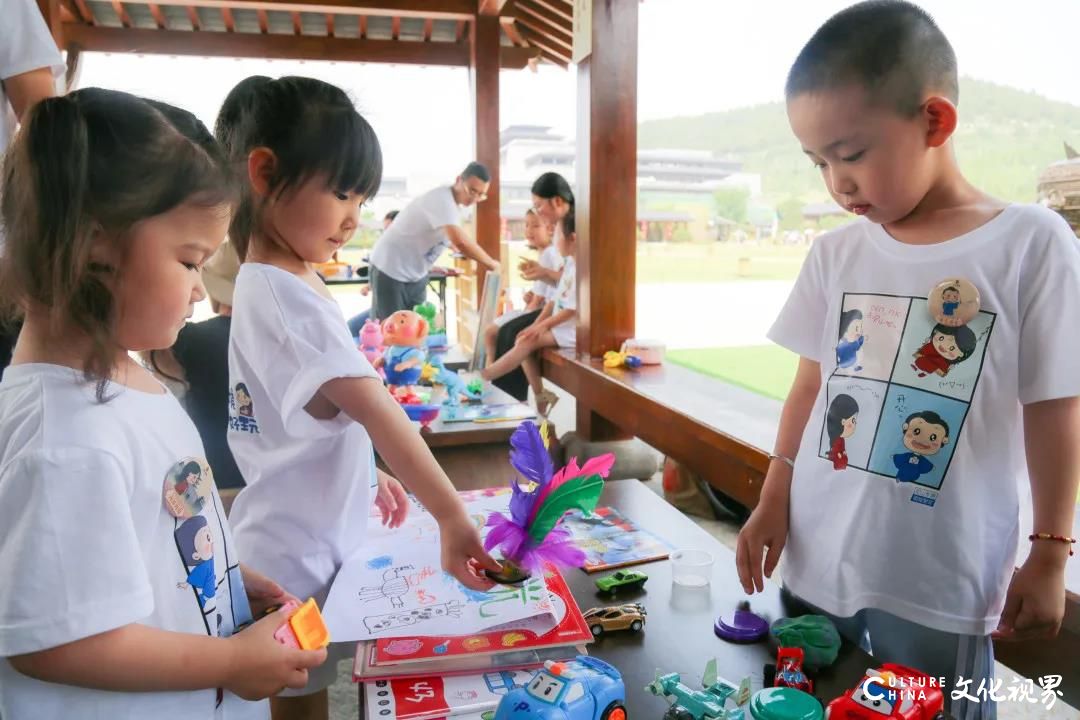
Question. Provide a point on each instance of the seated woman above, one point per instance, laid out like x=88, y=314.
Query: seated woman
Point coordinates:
x=556, y=326
x=199, y=362
x=538, y=237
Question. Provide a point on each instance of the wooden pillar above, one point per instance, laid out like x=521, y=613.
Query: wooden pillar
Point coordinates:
x=607, y=189
x=484, y=75
x=50, y=10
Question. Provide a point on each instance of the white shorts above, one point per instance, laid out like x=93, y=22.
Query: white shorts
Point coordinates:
x=566, y=334
x=508, y=316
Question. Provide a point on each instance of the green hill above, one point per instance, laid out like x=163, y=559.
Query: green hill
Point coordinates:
x=1006, y=138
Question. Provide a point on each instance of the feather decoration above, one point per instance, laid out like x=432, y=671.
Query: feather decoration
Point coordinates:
x=529, y=456
x=596, y=466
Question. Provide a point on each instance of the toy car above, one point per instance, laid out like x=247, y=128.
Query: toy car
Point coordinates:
x=788, y=672
x=623, y=617
x=581, y=689
x=891, y=691
x=622, y=580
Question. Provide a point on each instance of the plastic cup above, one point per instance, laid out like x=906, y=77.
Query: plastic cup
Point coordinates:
x=691, y=568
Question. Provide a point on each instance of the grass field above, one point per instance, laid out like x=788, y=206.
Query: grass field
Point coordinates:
x=765, y=369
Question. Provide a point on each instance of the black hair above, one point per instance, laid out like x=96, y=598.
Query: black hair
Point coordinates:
x=951, y=288
x=313, y=129
x=476, y=170
x=568, y=224
x=965, y=340
x=391, y=216
x=185, y=538
x=841, y=408
x=553, y=185
x=931, y=417
x=846, y=318
x=891, y=48
x=191, y=468
x=89, y=165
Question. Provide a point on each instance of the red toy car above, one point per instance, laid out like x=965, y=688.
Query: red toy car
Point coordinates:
x=788, y=672
x=891, y=691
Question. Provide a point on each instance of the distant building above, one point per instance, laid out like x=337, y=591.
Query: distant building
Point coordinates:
x=816, y=212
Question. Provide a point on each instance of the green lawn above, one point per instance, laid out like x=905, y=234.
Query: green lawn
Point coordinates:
x=765, y=369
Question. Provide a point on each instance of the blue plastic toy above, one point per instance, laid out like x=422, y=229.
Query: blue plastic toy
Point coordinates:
x=581, y=689
x=456, y=388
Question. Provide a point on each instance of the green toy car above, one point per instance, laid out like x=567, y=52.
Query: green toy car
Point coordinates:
x=622, y=580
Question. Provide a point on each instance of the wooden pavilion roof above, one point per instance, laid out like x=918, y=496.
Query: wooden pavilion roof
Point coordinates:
x=427, y=32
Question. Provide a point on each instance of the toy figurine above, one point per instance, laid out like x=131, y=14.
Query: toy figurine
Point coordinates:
x=617, y=359
x=404, y=334
x=788, y=672
x=581, y=689
x=529, y=537
x=371, y=341
x=436, y=373
x=706, y=704
x=891, y=691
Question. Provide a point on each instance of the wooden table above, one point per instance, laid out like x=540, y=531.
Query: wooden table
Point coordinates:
x=679, y=632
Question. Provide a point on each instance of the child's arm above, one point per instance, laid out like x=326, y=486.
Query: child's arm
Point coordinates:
x=137, y=658
x=768, y=524
x=367, y=402
x=1035, y=603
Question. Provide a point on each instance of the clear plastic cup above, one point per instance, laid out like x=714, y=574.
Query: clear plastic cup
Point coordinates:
x=692, y=568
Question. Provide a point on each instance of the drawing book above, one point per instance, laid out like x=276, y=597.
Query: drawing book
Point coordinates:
x=610, y=540
x=530, y=659
x=434, y=697
x=566, y=627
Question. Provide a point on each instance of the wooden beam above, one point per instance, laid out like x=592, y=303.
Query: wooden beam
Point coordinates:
x=459, y=32
x=227, y=17
x=510, y=28
x=484, y=74
x=264, y=21
x=85, y=11
x=278, y=47
x=329, y=25
x=545, y=16
x=50, y=11
x=429, y=25
x=544, y=43
x=159, y=17
x=76, y=10
x=193, y=16
x=362, y=29
x=118, y=7
x=297, y=25
x=490, y=7
x=607, y=180
x=395, y=28
x=563, y=9
x=437, y=9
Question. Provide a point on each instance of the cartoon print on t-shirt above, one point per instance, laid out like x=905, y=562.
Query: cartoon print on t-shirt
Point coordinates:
x=849, y=347
x=840, y=425
x=947, y=346
x=950, y=300
x=196, y=544
x=925, y=433
x=184, y=489
x=242, y=410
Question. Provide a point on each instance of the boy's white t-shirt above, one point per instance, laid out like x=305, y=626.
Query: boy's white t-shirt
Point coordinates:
x=552, y=260
x=309, y=483
x=565, y=298
x=937, y=545
x=25, y=45
x=89, y=546
x=414, y=241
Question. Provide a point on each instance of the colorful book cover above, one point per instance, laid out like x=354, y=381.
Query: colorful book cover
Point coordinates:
x=487, y=413
x=610, y=540
x=365, y=671
x=566, y=626
x=434, y=698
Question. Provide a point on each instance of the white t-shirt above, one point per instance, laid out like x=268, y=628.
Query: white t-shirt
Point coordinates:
x=415, y=240
x=310, y=483
x=25, y=45
x=565, y=298
x=915, y=526
x=552, y=260
x=88, y=544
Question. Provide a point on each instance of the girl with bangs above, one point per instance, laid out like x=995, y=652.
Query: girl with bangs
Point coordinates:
x=314, y=406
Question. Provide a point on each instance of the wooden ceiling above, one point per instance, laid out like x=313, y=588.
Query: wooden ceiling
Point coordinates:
x=427, y=32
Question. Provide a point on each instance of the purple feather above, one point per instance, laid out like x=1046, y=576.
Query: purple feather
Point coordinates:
x=529, y=456
x=506, y=535
x=521, y=504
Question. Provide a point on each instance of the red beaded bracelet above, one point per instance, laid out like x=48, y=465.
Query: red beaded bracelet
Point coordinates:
x=1059, y=538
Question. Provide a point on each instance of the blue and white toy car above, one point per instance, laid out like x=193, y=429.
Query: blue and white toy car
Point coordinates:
x=581, y=689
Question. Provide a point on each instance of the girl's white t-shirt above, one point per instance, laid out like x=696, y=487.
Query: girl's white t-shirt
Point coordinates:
x=565, y=298
x=88, y=544
x=923, y=520
x=552, y=260
x=309, y=483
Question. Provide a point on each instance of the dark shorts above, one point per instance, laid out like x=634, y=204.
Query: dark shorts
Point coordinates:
x=389, y=295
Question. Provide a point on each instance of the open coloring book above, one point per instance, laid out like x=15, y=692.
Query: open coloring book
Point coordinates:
x=394, y=586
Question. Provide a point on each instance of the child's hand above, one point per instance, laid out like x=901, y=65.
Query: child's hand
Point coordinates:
x=262, y=592
x=528, y=297
x=463, y=555
x=767, y=527
x=1035, y=602
x=392, y=501
x=529, y=334
x=261, y=666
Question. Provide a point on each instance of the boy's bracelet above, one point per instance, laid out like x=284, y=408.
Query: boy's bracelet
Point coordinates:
x=789, y=461
x=1057, y=538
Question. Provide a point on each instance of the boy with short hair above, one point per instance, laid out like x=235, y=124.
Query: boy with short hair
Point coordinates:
x=920, y=571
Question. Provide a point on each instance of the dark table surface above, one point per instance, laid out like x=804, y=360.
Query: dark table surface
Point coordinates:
x=443, y=434
x=679, y=633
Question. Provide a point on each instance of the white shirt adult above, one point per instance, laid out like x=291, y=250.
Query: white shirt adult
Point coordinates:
x=418, y=236
x=30, y=64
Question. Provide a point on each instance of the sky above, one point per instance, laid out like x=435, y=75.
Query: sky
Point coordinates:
x=695, y=56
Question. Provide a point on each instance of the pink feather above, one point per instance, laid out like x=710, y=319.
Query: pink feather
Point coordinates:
x=597, y=466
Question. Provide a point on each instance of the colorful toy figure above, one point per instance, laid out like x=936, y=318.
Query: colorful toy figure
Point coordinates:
x=788, y=672
x=404, y=334
x=581, y=689
x=529, y=537
x=891, y=691
x=371, y=341
x=706, y=704
x=925, y=433
x=436, y=373
x=618, y=358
